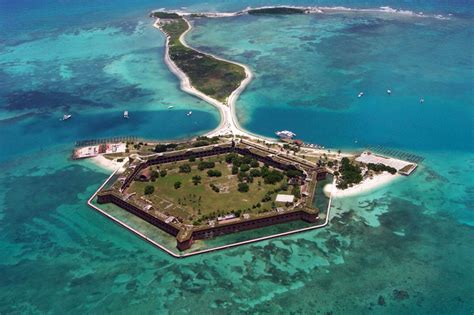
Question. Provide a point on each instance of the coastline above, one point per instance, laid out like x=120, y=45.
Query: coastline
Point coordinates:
x=229, y=124
x=107, y=164
x=366, y=186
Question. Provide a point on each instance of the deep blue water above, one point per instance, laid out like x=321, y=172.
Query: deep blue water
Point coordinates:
x=405, y=248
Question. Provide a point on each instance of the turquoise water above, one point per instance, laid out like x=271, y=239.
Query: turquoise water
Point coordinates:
x=405, y=248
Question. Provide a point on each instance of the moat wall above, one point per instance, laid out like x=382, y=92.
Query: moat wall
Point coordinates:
x=211, y=231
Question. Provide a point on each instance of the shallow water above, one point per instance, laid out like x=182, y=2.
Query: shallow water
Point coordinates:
x=404, y=248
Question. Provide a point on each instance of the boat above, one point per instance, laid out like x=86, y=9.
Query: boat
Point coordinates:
x=360, y=94
x=389, y=92
x=422, y=100
x=125, y=114
x=170, y=107
x=65, y=117
x=189, y=113
x=285, y=134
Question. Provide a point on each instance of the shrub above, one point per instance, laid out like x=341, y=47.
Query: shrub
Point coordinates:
x=214, y=173
x=255, y=173
x=204, y=164
x=192, y=159
x=149, y=189
x=235, y=170
x=177, y=185
x=163, y=173
x=154, y=175
x=229, y=158
x=294, y=173
x=244, y=167
x=215, y=188
x=254, y=163
x=196, y=179
x=185, y=168
x=243, y=187
x=160, y=148
x=273, y=177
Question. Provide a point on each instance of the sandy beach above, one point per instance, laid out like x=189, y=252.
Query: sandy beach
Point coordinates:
x=365, y=186
x=106, y=163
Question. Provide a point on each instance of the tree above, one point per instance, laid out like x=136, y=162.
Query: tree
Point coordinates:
x=243, y=187
x=160, y=148
x=214, y=173
x=196, y=179
x=255, y=173
x=235, y=170
x=229, y=158
x=273, y=177
x=254, y=163
x=296, y=191
x=205, y=164
x=177, y=185
x=293, y=173
x=185, y=168
x=149, y=189
x=154, y=175
x=244, y=167
x=163, y=173
x=192, y=159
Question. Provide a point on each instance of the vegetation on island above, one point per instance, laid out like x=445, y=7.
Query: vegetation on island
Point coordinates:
x=379, y=168
x=276, y=10
x=165, y=15
x=213, y=77
x=350, y=174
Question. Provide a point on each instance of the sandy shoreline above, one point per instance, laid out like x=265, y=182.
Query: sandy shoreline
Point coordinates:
x=106, y=163
x=229, y=124
x=365, y=186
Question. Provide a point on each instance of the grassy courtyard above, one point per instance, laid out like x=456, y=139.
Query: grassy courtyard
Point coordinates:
x=218, y=188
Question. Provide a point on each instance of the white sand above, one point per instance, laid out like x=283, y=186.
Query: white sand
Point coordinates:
x=107, y=164
x=365, y=186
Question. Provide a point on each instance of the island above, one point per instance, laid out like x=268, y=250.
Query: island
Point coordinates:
x=214, y=77
x=215, y=186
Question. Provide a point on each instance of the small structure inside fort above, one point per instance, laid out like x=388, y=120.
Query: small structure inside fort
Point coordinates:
x=207, y=189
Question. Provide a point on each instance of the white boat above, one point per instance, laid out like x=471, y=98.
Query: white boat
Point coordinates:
x=125, y=114
x=170, y=107
x=360, y=94
x=389, y=92
x=285, y=134
x=66, y=117
x=189, y=114
x=422, y=100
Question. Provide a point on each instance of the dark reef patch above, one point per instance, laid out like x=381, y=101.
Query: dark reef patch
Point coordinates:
x=48, y=192
x=39, y=100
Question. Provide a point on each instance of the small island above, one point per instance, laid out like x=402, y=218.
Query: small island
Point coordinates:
x=214, y=77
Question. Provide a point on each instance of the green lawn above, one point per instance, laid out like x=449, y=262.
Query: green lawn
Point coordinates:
x=193, y=202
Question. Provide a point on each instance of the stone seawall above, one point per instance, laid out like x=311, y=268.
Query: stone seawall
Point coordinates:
x=211, y=231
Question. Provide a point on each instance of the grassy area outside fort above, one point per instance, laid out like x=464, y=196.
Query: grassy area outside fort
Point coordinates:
x=213, y=77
